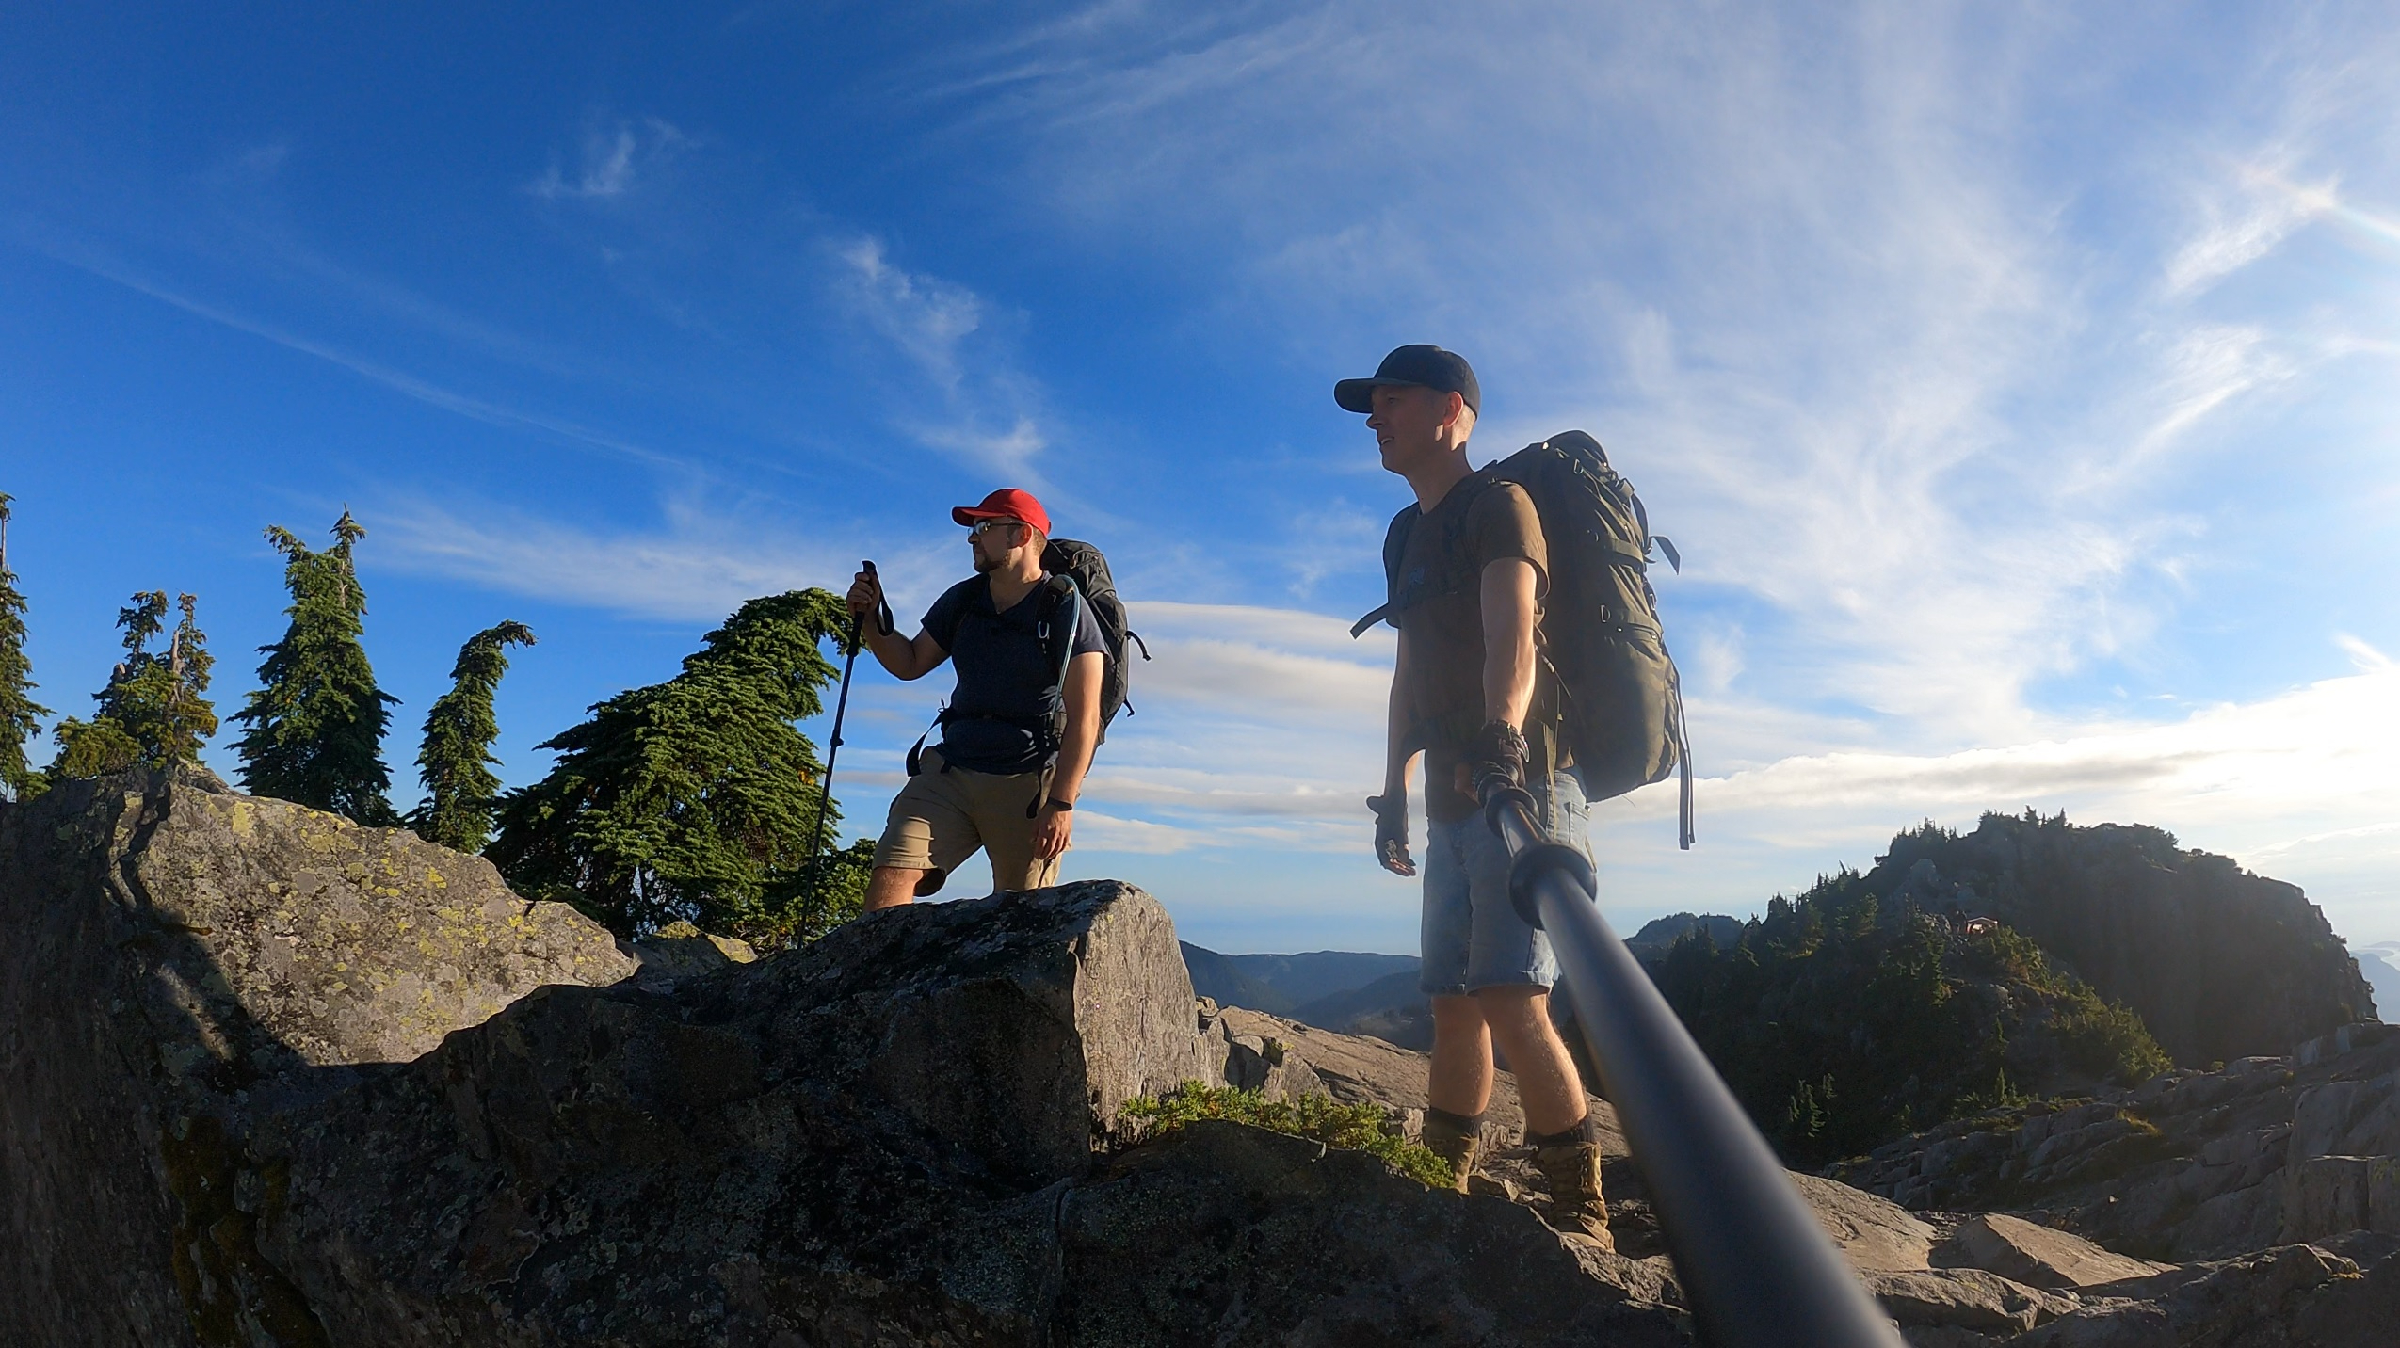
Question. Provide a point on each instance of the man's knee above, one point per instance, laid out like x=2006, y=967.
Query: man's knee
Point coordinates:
x=891, y=886
x=1515, y=1012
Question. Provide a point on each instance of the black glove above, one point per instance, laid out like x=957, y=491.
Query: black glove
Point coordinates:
x=1391, y=833
x=1497, y=757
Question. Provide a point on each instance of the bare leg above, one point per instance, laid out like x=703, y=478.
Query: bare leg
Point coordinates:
x=1519, y=1019
x=891, y=886
x=1460, y=1081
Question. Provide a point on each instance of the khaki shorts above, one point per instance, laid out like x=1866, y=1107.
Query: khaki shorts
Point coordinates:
x=940, y=818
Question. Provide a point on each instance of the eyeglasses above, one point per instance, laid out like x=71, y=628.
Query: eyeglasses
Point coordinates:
x=983, y=527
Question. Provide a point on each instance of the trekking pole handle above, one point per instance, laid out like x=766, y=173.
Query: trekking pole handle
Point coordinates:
x=884, y=625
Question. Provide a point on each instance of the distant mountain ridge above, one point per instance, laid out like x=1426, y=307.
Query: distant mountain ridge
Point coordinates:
x=2379, y=964
x=1282, y=984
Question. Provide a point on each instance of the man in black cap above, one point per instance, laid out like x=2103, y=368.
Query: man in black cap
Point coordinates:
x=1466, y=595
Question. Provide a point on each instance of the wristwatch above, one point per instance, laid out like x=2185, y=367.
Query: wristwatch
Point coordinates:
x=1054, y=803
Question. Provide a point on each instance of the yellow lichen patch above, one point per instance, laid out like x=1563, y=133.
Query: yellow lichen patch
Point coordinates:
x=435, y=879
x=243, y=819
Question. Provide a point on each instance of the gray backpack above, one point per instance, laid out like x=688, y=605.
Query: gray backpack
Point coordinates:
x=1620, y=699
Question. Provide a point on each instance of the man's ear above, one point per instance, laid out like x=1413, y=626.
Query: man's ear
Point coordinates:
x=1453, y=406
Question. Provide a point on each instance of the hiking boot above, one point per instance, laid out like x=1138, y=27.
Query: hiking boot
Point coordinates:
x=1459, y=1146
x=1573, y=1170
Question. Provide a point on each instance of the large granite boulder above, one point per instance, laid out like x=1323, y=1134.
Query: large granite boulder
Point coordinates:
x=180, y=963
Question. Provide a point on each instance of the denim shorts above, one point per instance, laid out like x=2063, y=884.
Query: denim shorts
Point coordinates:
x=1473, y=937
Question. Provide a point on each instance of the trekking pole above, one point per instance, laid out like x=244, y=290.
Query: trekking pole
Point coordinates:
x=1757, y=1269
x=833, y=743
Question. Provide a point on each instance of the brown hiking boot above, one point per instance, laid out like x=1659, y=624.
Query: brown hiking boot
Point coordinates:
x=1573, y=1170
x=1458, y=1146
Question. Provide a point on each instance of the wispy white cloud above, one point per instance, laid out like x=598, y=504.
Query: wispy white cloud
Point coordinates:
x=423, y=390
x=924, y=316
x=613, y=161
x=2242, y=220
x=1866, y=364
x=983, y=409
x=698, y=566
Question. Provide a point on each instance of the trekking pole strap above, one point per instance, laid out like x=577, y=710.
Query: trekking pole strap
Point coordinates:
x=1757, y=1269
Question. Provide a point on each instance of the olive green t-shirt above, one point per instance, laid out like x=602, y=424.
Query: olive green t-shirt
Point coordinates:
x=1439, y=594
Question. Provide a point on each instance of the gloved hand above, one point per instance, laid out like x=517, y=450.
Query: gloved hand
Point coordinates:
x=1497, y=755
x=1391, y=833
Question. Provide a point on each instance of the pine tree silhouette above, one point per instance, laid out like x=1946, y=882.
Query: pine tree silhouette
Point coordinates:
x=693, y=799
x=455, y=764
x=20, y=715
x=155, y=710
x=316, y=725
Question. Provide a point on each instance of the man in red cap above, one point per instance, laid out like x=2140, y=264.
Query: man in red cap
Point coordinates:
x=1017, y=735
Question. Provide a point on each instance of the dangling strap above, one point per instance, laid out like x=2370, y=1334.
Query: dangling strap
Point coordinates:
x=916, y=751
x=1683, y=745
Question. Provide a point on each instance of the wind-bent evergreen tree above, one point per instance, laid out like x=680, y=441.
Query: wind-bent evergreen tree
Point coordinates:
x=455, y=764
x=316, y=727
x=155, y=710
x=20, y=715
x=693, y=800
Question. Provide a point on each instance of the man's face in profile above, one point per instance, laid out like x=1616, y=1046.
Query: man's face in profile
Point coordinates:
x=1407, y=422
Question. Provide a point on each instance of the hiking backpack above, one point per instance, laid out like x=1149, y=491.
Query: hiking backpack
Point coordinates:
x=1620, y=699
x=1085, y=572
x=1078, y=576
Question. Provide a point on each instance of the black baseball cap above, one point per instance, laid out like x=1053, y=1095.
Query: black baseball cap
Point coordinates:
x=1413, y=367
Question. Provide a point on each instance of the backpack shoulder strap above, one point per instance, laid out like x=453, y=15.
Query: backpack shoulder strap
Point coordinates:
x=1395, y=544
x=1061, y=615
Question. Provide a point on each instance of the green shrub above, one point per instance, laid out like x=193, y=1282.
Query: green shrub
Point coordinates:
x=1363, y=1127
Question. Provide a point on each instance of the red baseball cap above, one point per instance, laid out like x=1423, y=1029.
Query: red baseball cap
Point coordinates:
x=1007, y=504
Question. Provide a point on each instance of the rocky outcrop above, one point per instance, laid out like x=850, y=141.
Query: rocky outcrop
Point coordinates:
x=2037, y=1256
x=256, y=1092
x=2188, y=1166
x=182, y=962
x=2219, y=963
x=268, y=1079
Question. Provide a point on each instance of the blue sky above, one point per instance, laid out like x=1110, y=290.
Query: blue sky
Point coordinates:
x=2021, y=383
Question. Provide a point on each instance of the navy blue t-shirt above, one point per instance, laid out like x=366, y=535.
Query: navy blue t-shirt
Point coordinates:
x=1007, y=686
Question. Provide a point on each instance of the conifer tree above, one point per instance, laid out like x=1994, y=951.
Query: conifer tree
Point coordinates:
x=316, y=727
x=155, y=710
x=20, y=715
x=694, y=799
x=455, y=764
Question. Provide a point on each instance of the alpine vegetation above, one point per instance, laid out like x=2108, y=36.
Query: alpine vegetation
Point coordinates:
x=20, y=715
x=456, y=763
x=316, y=727
x=693, y=799
x=155, y=710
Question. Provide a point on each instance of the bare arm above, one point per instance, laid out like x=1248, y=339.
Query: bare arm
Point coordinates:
x=1508, y=621
x=1391, y=829
x=906, y=657
x=1082, y=692
x=1053, y=827
x=1398, y=758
